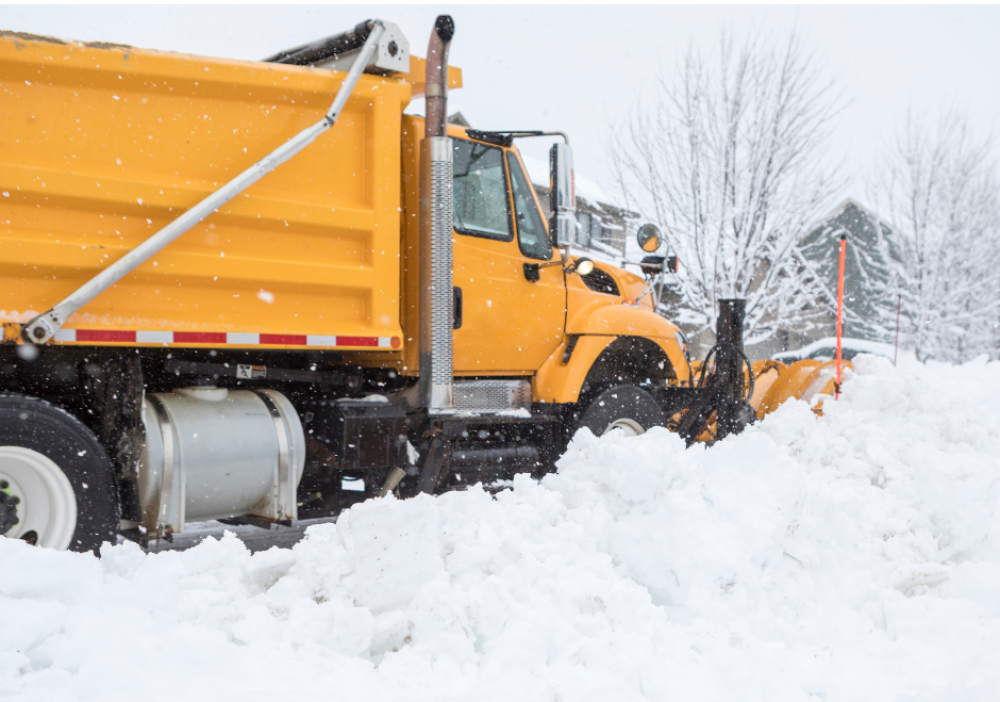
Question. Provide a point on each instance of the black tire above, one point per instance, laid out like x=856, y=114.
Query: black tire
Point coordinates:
x=36, y=425
x=622, y=403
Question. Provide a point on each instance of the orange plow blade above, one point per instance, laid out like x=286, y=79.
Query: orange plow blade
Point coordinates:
x=776, y=383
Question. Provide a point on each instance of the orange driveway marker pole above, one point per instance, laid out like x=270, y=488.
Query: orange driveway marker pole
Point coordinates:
x=899, y=306
x=840, y=317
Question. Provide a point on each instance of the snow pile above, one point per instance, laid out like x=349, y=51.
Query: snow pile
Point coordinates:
x=850, y=557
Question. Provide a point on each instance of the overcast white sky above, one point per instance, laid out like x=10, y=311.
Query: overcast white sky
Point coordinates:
x=580, y=69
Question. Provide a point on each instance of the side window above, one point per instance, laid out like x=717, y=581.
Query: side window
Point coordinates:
x=531, y=234
x=481, y=206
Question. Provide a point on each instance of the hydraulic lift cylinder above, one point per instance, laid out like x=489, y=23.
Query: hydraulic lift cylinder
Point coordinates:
x=729, y=366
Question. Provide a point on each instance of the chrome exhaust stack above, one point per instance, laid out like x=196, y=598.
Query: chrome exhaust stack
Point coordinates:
x=436, y=230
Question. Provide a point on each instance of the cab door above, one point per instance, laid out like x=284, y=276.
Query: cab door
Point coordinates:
x=509, y=324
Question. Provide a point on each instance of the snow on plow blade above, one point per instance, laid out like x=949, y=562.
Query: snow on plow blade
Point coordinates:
x=776, y=383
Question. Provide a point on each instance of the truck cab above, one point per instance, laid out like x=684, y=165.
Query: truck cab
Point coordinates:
x=516, y=310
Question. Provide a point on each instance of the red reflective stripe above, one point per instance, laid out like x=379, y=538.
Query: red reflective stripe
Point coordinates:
x=199, y=337
x=357, y=341
x=285, y=339
x=107, y=335
x=104, y=335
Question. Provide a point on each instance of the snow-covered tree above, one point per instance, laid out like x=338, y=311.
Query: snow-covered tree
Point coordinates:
x=730, y=161
x=938, y=187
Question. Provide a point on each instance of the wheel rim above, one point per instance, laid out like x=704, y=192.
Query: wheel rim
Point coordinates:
x=628, y=427
x=47, y=502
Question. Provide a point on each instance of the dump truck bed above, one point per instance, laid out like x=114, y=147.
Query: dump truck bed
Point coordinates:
x=101, y=146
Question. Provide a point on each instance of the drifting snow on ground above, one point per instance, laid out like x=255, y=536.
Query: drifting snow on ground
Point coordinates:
x=850, y=557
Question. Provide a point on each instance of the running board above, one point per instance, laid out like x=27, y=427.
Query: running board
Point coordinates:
x=491, y=395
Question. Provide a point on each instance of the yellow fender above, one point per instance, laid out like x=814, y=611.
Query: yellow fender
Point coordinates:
x=560, y=382
x=630, y=320
x=622, y=320
x=594, y=329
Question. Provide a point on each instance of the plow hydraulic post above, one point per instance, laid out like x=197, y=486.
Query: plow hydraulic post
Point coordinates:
x=722, y=385
x=733, y=411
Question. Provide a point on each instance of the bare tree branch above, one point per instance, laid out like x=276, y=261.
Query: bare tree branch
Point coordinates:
x=939, y=187
x=730, y=162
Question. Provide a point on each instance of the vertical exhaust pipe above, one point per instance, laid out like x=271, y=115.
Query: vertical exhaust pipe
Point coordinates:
x=436, y=230
x=436, y=78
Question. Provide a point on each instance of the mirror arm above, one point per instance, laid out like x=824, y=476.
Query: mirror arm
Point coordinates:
x=507, y=138
x=531, y=269
x=567, y=265
x=643, y=294
x=549, y=264
x=538, y=134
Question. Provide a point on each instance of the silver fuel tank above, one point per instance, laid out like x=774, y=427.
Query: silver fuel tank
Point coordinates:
x=212, y=453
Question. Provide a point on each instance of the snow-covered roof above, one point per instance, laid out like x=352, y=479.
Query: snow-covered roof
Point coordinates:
x=586, y=189
x=839, y=209
x=457, y=108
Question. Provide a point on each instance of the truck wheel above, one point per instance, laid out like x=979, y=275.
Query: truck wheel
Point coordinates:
x=625, y=408
x=58, y=477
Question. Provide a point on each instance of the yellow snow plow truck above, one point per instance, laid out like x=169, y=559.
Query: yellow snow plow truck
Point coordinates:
x=260, y=292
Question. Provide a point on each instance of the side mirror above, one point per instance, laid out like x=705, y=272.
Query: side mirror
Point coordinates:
x=562, y=195
x=648, y=238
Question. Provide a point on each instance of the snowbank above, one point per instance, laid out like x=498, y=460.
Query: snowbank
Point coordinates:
x=852, y=557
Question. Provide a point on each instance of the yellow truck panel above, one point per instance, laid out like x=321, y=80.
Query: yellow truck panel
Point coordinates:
x=102, y=147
